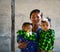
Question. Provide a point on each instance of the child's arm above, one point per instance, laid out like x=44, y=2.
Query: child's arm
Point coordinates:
x=20, y=39
x=21, y=42
x=51, y=39
x=20, y=35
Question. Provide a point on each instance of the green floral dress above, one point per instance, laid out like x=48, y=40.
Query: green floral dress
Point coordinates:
x=46, y=40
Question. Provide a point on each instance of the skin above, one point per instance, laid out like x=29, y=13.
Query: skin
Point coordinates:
x=27, y=28
x=45, y=26
x=22, y=45
x=35, y=19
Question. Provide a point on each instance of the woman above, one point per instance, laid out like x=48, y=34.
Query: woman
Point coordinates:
x=35, y=17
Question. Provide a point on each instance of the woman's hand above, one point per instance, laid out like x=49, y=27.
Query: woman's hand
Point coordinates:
x=22, y=45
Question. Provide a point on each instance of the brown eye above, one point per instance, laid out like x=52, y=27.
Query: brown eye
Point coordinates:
x=46, y=24
x=42, y=25
x=37, y=16
x=33, y=17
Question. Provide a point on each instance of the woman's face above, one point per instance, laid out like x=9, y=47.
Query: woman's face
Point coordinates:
x=36, y=18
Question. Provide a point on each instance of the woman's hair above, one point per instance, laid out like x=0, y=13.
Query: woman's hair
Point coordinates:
x=33, y=11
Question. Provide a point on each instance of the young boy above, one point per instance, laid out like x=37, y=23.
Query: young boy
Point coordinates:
x=46, y=36
x=26, y=35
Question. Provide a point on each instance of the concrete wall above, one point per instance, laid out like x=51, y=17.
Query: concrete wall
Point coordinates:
x=49, y=8
x=5, y=25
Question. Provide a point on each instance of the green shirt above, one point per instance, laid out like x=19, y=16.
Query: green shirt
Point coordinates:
x=46, y=40
x=27, y=35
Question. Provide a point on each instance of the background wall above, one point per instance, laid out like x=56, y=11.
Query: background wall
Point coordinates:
x=49, y=8
x=5, y=25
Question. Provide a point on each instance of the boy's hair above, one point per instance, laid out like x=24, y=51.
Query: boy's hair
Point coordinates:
x=35, y=10
x=47, y=19
x=26, y=23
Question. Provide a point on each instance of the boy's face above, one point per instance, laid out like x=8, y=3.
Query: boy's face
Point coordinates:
x=27, y=28
x=45, y=26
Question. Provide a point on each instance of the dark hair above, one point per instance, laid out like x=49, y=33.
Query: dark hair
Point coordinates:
x=35, y=10
x=49, y=20
x=26, y=23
